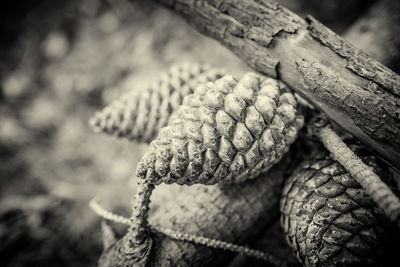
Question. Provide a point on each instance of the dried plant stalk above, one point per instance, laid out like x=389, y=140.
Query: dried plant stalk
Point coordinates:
x=180, y=236
x=364, y=175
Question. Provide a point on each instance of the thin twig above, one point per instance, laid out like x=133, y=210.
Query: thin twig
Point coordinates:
x=364, y=175
x=138, y=222
x=108, y=215
x=201, y=240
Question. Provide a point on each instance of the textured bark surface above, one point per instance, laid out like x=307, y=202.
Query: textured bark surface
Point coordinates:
x=381, y=42
x=359, y=93
x=219, y=213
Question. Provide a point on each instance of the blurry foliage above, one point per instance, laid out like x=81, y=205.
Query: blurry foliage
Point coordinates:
x=337, y=14
x=59, y=62
x=65, y=61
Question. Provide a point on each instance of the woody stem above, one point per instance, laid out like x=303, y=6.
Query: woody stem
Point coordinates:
x=139, y=224
x=364, y=175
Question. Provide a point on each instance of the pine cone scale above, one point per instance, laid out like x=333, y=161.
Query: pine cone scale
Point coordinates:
x=141, y=114
x=328, y=218
x=229, y=137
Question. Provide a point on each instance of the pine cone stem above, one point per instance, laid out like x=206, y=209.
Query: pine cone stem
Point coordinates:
x=364, y=175
x=138, y=232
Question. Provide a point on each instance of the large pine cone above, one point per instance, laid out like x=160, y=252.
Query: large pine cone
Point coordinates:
x=140, y=114
x=328, y=218
x=228, y=131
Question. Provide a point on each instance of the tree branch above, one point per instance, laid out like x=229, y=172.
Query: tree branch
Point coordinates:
x=359, y=93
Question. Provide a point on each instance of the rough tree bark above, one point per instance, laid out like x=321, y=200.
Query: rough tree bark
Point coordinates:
x=359, y=93
x=381, y=42
x=219, y=213
x=179, y=214
x=233, y=214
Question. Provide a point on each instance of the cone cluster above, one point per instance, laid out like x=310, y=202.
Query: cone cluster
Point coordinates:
x=328, y=218
x=138, y=115
x=227, y=131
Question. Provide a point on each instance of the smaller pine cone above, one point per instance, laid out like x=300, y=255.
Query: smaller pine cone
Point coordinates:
x=138, y=115
x=328, y=218
x=227, y=131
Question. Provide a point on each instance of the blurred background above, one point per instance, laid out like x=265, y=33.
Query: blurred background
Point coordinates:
x=60, y=61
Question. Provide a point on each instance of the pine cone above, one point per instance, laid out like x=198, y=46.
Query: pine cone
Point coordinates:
x=328, y=218
x=227, y=131
x=140, y=114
